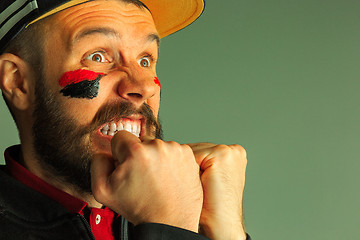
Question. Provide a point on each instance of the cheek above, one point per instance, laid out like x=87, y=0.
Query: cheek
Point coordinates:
x=154, y=103
x=157, y=82
x=80, y=84
x=82, y=111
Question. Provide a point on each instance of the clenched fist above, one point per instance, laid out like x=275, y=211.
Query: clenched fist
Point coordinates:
x=223, y=178
x=149, y=181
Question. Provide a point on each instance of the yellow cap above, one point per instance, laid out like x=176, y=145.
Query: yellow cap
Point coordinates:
x=169, y=15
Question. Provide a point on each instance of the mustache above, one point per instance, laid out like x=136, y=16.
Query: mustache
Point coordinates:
x=116, y=110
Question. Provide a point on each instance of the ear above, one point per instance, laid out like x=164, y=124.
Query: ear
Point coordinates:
x=15, y=76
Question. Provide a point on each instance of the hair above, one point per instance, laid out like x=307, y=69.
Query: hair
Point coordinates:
x=28, y=45
x=136, y=2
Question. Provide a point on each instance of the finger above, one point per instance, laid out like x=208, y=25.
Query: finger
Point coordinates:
x=201, y=157
x=240, y=149
x=121, y=145
x=200, y=146
x=201, y=152
x=146, y=138
x=101, y=168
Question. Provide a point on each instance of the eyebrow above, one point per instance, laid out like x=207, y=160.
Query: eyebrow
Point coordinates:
x=154, y=37
x=110, y=33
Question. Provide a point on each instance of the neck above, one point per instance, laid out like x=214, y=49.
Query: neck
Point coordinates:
x=31, y=163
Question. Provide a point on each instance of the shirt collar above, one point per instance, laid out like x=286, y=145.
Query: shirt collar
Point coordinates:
x=17, y=171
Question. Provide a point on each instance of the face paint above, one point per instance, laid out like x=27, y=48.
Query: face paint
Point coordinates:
x=157, y=82
x=80, y=83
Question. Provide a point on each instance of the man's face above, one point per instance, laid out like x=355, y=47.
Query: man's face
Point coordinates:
x=99, y=76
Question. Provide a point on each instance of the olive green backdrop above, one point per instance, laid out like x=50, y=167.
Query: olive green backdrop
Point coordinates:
x=280, y=78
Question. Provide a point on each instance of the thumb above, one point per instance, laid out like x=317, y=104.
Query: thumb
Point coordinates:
x=122, y=144
x=102, y=166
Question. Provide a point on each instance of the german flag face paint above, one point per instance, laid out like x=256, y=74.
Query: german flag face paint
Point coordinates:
x=80, y=83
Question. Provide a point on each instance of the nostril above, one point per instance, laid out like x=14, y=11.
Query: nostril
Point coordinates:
x=135, y=95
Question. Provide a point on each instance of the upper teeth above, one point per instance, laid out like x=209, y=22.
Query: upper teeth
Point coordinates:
x=132, y=126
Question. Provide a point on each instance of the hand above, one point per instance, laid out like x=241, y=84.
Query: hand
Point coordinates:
x=149, y=180
x=223, y=179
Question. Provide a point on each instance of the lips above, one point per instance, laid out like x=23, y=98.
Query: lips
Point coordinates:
x=131, y=125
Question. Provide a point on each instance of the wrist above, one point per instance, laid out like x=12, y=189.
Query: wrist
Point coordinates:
x=174, y=221
x=229, y=231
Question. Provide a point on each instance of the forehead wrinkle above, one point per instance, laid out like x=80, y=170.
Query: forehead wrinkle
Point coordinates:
x=108, y=32
x=75, y=17
x=105, y=19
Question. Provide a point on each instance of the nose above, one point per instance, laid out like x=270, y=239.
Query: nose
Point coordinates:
x=137, y=87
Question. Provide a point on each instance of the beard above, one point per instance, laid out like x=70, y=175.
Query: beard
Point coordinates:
x=63, y=147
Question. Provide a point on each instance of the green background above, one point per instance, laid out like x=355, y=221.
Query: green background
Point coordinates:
x=280, y=78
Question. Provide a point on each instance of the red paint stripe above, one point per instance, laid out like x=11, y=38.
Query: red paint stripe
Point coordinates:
x=157, y=82
x=78, y=76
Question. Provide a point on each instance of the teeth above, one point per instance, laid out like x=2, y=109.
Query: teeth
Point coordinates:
x=132, y=126
x=127, y=127
x=112, y=127
x=138, y=130
x=120, y=127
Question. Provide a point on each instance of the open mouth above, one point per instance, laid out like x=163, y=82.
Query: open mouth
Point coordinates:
x=131, y=125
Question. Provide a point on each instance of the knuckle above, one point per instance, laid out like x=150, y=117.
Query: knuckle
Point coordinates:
x=241, y=152
x=222, y=148
x=186, y=148
x=173, y=144
x=239, y=148
x=176, y=147
x=158, y=142
x=137, y=151
x=232, y=154
x=100, y=192
x=137, y=147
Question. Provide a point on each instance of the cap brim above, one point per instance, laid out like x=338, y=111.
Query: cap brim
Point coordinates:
x=169, y=16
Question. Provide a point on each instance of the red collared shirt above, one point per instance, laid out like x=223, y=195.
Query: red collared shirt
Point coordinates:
x=101, y=220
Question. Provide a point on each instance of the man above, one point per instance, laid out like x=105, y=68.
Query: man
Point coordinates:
x=79, y=78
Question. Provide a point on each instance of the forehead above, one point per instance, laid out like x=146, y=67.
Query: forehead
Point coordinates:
x=125, y=19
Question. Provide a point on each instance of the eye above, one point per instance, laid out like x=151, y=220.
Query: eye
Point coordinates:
x=97, y=57
x=144, y=62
